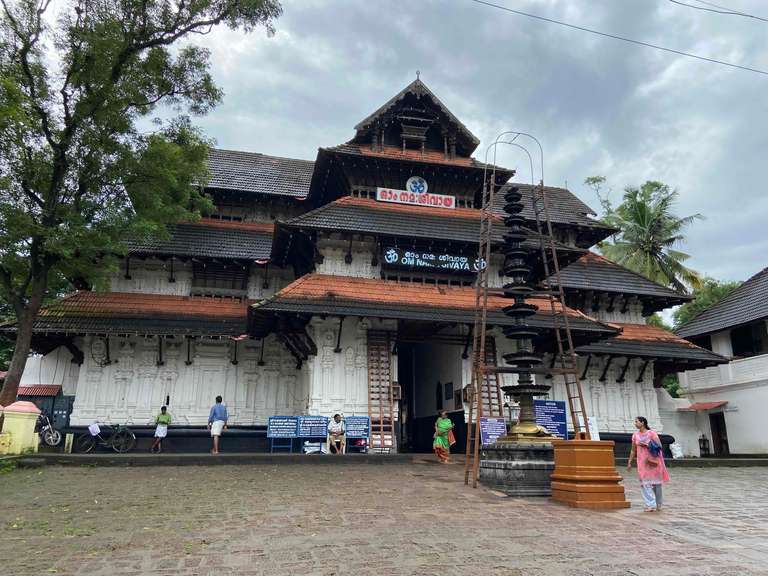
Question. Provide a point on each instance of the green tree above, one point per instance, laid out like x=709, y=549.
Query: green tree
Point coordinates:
x=707, y=295
x=648, y=233
x=76, y=174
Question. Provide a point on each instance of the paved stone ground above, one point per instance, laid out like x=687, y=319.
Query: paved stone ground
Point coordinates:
x=392, y=519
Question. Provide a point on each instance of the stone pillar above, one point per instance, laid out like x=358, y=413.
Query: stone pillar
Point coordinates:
x=19, y=422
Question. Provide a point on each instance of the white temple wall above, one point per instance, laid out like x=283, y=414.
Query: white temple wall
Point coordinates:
x=133, y=387
x=151, y=277
x=264, y=283
x=334, y=253
x=338, y=381
x=56, y=367
x=615, y=404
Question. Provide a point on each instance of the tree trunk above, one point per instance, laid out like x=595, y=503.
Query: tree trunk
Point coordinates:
x=21, y=351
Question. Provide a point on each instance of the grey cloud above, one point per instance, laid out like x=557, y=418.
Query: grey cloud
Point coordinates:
x=599, y=106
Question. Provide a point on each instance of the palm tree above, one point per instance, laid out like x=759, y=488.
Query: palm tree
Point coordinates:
x=647, y=235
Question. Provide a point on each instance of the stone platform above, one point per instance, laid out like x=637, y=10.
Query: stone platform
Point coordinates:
x=518, y=468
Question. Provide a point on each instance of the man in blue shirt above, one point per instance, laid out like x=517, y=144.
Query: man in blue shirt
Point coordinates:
x=217, y=422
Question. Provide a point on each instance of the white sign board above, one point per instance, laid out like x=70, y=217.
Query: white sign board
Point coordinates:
x=592, y=424
x=414, y=198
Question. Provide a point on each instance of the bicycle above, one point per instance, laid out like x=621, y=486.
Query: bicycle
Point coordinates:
x=118, y=437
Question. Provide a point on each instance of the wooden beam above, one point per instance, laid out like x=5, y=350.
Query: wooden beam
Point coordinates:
x=642, y=372
x=586, y=366
x=624, y=370
x=605, y=369
x=338, y=336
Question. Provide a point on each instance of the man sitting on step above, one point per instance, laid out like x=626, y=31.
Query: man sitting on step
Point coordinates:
x=337, y=443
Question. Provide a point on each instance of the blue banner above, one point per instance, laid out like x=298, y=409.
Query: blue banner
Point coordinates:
x=551, y=415
x=313, y=426
x=358, y=426
x=491, y=429
x=282, y=426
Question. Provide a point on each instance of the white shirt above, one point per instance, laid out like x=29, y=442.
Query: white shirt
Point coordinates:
x=336, y=427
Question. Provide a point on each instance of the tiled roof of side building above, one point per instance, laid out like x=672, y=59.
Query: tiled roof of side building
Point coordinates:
x=343, y=295
x=211, y=238
x=593, y=272
x=134, y=313
x=747, y=303
x=645, y=341
x=259, y=173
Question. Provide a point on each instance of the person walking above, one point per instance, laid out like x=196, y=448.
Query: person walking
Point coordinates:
x=647, y=450
x=161, y=429
x=443, y=438
x=217, y=423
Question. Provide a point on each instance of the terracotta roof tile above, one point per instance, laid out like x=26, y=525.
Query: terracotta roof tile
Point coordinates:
x=263, y=227
x=410, y=155
x=343, y=295
x=39, y=390
x=644, y=341
x=122, y=313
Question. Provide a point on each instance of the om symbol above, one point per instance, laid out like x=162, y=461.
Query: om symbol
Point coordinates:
x=391, y=256
x=417, y=185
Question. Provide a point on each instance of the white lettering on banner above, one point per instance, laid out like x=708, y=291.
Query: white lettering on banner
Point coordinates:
x=399, y=257
x=405, y=197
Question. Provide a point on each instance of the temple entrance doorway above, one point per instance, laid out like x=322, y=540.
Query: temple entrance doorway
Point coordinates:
x=431, y=379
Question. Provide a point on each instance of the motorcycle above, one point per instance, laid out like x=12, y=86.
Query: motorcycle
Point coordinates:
x=48, y=434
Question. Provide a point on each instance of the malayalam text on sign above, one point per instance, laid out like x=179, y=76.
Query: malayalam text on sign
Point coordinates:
x=406, y=197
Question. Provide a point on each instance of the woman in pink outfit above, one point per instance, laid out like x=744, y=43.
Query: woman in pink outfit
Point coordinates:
x=646, y=447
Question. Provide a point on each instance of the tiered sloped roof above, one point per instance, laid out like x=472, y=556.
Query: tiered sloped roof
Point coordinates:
x=419, y=90
x=652, y=342
x=143, y=314
x=747, y=303
x=594, y=273
x=349, y=296
x=409, y=154
x=365, y=215
x=211, y=238
x=565, y=209
x=259, y=173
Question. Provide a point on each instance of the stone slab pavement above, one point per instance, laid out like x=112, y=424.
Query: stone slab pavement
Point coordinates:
x=392, y=519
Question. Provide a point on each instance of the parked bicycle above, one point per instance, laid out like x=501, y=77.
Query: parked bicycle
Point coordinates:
x=48, y=434
x=118, y=437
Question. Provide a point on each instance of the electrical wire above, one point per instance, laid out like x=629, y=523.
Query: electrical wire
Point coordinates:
x=622, y=38
x=717, y=9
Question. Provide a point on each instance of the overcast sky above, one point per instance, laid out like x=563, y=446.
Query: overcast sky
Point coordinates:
x=599, y=106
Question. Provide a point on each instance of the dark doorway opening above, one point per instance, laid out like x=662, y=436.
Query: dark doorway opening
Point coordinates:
x=719, y=434
x=430, y=378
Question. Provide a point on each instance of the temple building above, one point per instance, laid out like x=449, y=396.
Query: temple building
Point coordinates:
x=346, y=285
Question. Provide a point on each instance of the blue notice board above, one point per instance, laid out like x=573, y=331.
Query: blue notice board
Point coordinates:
x=358, y=426
x=313, y=426
x=491, y=429
x=282, y=426
x=551, y=415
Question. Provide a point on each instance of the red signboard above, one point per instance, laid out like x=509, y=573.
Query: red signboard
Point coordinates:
x=424, y=199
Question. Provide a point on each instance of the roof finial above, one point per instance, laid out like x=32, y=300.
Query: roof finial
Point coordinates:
x=418, y=73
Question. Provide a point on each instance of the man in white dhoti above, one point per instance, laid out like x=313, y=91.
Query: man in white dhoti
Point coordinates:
x=161, y=429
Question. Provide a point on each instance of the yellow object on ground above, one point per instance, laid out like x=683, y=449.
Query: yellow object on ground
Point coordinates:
x=19, y=421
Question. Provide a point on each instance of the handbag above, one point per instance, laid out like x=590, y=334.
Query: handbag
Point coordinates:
x=651, y=462
x=654, y=448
